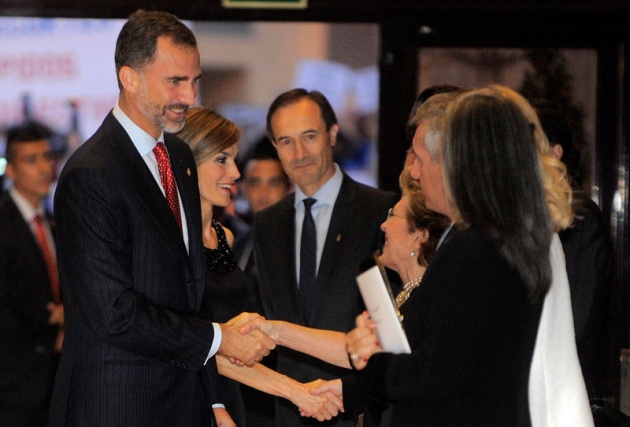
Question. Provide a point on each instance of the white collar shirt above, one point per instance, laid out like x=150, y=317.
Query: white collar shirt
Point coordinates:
x=322, y=213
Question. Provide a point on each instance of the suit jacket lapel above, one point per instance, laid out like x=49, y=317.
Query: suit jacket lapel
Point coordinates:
x=23, y=229
x=187, y=184
x=185, y=173
x=141, y=181
x=339, y=223
x=22, y=232
x=284, y=253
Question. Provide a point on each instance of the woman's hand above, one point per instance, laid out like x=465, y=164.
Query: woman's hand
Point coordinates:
x=242, y=319
x=244, y=349
x=269, y=327
x=332, y=389
x=362, y=342
x=322, y=405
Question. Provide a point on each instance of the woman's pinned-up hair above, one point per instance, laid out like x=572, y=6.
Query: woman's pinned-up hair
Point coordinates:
x=497, y=177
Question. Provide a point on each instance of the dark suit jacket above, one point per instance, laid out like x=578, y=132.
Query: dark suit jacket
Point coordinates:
x=27, y=359
x=589, y=259
x=134, y=348
x=472, y=330
x=353, y=235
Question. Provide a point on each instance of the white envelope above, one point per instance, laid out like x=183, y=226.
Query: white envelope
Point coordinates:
x=379, y=301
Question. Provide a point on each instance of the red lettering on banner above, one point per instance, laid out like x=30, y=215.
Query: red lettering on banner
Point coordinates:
x=30, y=66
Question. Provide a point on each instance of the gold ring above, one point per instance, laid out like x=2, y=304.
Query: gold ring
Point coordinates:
x=354, y=357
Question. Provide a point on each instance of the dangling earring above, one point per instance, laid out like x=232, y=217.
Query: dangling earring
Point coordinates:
x=413, y=252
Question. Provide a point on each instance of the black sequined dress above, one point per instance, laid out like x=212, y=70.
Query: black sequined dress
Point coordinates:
x=226, y=296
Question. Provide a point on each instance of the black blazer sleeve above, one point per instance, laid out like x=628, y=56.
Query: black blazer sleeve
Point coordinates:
x=472, y=328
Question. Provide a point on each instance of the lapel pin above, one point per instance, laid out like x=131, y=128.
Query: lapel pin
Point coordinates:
x=338, y=237
x=188, y=171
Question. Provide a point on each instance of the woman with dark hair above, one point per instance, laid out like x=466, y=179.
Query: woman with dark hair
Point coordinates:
x=473, y=325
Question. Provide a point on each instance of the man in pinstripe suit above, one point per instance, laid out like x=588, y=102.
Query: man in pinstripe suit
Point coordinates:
x=136, y=354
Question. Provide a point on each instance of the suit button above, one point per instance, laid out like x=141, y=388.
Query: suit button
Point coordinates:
x=190, y=283
x=40, y=349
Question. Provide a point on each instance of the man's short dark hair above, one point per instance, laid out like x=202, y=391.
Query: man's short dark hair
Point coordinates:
x=29, y=131
x=262, y=149
x=296, y=95
x=137, y=41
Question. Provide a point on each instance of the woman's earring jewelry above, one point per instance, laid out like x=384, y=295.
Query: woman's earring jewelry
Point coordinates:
x=413, y=252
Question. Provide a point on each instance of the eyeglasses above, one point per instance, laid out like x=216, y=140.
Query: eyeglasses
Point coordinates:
x=390, y=213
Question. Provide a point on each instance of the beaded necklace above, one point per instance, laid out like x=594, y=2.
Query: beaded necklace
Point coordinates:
x=404, y=294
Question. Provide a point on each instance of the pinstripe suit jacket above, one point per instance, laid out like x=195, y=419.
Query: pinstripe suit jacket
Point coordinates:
x=134, y=347
x=353, y=235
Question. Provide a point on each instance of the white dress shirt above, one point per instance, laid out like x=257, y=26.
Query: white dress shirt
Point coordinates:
x=322, y=213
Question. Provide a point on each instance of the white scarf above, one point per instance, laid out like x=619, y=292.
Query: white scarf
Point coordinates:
x=557, y=393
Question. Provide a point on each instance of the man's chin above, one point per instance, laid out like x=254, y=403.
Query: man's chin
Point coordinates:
x=173, y=126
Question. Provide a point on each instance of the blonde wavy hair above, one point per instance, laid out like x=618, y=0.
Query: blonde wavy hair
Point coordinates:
x=498, y=175
x=555, y=179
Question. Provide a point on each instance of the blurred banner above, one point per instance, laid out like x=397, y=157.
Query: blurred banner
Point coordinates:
x=58, y=71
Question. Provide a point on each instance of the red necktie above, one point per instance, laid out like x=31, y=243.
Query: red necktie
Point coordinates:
x=168, y=180
x=51, y=265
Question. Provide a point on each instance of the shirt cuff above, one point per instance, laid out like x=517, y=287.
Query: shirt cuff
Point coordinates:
x=218, y=336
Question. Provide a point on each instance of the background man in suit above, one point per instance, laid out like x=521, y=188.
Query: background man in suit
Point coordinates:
x=346, y=215
x=131, y=259
x=31, y=313
x=264, y=183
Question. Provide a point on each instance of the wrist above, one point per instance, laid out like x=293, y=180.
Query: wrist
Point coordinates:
x=277, y=330
x=290, y=389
